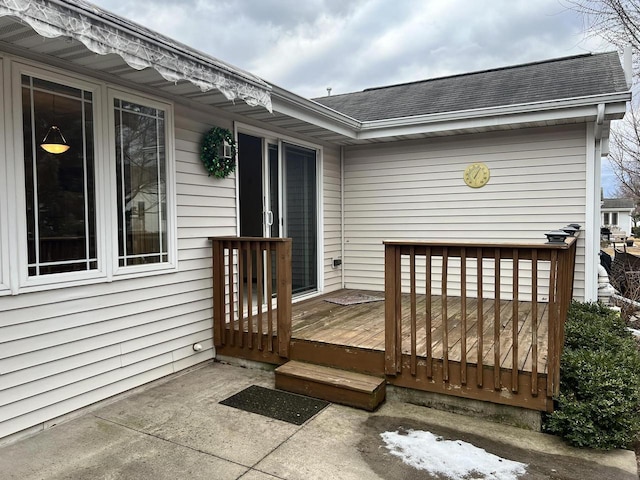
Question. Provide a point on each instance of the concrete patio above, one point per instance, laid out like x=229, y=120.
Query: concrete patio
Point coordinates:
x=177, y=429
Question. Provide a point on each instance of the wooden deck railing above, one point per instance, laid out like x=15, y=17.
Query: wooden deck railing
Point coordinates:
x=248, y=274
x=480, y=278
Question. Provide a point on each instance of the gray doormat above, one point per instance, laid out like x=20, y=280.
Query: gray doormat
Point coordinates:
x=353, y=299
x=285, y=406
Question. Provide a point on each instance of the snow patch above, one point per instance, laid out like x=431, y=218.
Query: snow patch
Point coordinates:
x=634, y=332
x=455, y=459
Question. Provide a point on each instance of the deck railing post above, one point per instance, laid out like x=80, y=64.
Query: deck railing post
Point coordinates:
x=218, y=293
x=283, y=313
x=391, y=280
x=553, y=356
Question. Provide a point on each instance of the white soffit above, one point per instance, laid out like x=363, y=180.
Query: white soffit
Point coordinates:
x=104, y=33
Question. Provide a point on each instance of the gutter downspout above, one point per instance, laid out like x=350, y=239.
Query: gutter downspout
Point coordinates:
x=592, y=213
x=342, y=214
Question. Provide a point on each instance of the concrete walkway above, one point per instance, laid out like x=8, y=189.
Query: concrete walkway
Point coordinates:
x=178, y=430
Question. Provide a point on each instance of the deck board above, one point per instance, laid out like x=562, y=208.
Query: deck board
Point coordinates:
x=362, y=326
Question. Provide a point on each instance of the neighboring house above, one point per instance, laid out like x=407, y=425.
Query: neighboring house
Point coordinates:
x=105, y=259
x=616, y=212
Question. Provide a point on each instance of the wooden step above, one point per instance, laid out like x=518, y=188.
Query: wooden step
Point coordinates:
x=337, y=386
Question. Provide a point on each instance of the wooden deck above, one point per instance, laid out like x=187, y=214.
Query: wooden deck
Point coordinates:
x=353, y=337
x=362, y=326
x=489, y=348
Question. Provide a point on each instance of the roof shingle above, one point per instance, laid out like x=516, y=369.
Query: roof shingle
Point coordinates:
x=621, y=203
x=569, y=77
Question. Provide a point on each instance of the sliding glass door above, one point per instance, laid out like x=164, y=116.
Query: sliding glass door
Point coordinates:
x=300, y=215
x=279, y=198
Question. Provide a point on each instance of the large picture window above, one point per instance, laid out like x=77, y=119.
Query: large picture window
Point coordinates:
x=59, y=186
x=94, y=190
x=141, y=173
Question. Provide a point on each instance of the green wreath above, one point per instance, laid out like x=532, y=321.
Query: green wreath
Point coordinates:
x=212, y=152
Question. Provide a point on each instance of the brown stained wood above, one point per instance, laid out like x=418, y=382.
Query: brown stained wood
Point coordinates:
x=414, y=325
x=480, y=310
x=269, y=300
x=503, y=335
x=463, y=315
x=488, y=393
x=503, y=316
x=241, y=276
x=553, y=308
x=398, y=304
x=496, y=321
x=249, y=251
x=522, y=334
x=231, y=280
x=445, y=315
x=428, y=311
x=255, y=355
x=534, y=323
x=356, y=359
x=283, y=314
x=391, y=282
x=452, y=309
x=356, y=328
x=348, y=380
x=515, y=323
x=372, y=360
x=541, y=365
x=259, y=277
x=219, y=313
x=363, y=326
x=454, y=247
x=338, y=386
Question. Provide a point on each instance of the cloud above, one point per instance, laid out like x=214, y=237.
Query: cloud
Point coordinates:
x=350, y=45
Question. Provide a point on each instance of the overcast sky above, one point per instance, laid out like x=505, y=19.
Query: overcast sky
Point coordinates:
x=306, y=46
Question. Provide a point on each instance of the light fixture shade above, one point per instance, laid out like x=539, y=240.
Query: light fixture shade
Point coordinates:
x=54, y=142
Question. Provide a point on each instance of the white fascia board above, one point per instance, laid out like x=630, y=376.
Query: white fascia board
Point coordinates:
x=314, y=113
x=584, y=108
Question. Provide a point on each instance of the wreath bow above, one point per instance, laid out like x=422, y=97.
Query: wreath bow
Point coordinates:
x=218, y=160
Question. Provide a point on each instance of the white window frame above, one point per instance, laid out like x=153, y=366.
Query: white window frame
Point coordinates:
x=170, y=184
x=14, y=277
x=68, y=278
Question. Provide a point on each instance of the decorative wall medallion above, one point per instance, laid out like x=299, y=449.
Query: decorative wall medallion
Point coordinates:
x=476, y=175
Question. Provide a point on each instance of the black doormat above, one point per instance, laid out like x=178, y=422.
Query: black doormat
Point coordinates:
x=285, y=406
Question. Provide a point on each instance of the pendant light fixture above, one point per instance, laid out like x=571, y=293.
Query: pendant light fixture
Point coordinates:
x=54, y=142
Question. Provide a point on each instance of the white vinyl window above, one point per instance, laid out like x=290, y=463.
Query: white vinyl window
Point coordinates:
x=60, y=201
x=143, y=172
x=87, y=207
x=141, y=185
x=606, y=218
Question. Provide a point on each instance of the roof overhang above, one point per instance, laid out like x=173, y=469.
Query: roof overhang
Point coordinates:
x=597, y=108
x=104, y=33
x=570, y=110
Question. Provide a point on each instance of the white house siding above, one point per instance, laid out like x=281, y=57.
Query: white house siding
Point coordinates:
x=66, y=348
x=332, y=218
x=415, y=190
